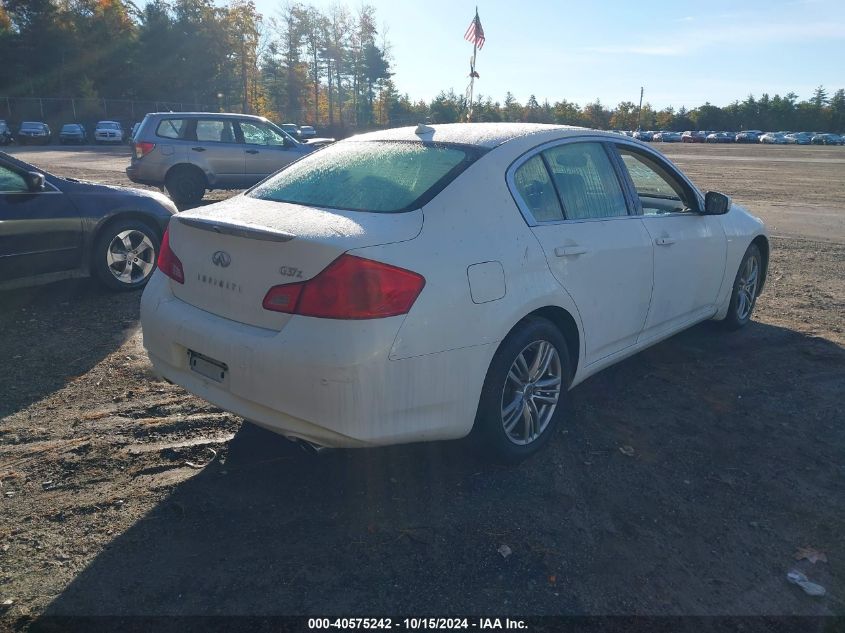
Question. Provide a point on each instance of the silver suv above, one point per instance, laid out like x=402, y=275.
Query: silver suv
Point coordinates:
x=188, y=153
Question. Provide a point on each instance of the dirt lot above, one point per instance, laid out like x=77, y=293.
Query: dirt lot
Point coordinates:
x=122, y=494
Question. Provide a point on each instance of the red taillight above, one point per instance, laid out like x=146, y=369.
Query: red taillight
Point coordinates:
x=349, y=288
x=143, y=148
x=168, y=263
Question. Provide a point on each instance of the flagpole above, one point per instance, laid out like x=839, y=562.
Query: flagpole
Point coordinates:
x=472, y=80
x=472, y=69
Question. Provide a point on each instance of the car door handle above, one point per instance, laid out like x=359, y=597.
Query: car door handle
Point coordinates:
x=198, y=149
x=570, y=251
x=251, y=151
x=664, y=241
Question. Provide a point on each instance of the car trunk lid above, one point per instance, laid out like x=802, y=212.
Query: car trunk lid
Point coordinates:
x=233, y=252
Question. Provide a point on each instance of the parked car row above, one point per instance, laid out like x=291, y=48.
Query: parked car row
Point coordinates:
x=40, y=133
x=746, y=136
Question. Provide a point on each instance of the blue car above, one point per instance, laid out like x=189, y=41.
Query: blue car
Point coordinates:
x=53, y=228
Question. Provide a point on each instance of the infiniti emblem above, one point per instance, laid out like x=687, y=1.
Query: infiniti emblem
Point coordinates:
x=221, y=258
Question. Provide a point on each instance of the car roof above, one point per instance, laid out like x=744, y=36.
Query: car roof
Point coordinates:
x=488, y=135
x=216, y=115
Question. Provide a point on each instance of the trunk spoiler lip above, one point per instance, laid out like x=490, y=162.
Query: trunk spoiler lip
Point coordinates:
x=237, y=230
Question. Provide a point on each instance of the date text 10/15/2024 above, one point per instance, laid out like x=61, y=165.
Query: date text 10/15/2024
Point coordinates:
x=435, y=624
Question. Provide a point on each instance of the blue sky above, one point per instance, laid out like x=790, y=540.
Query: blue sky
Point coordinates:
x=683, y=53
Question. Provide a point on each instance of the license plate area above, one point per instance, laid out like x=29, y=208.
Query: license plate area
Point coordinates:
x=208, y=367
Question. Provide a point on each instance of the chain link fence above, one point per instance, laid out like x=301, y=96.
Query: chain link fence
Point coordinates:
x=55, y=111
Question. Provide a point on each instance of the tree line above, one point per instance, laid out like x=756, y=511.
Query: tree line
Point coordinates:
x=328, y=68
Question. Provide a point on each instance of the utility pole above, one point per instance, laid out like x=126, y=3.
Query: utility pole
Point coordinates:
x=640, y=108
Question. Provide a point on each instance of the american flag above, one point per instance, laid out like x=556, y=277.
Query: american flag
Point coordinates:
x=475, y=34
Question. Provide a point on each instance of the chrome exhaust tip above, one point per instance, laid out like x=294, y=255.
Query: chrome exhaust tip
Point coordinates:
x=310, y=447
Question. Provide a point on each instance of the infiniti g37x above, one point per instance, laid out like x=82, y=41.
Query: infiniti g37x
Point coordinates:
x=451, y=278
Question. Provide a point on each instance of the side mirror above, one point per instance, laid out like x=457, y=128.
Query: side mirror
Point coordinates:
x=35, y=181
x=716, y=203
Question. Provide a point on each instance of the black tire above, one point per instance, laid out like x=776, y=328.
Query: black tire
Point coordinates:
x=739, y=310
x=141, y=267
x=185, y=185
x=489, y=429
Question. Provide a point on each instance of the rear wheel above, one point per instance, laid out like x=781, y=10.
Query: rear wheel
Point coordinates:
x=522, y=401
x=745, y=289
x=125, y=254
x=185, y=185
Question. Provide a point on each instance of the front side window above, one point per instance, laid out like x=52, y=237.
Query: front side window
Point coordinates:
x=11, y=182
x=171, y=128
x=586, y=181
x=215, y=131
x=261, y=134
x=384, y=177
x=537, y=191
x=659, y=191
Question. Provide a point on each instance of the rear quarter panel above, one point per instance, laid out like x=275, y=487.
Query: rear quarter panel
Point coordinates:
x=474, y=220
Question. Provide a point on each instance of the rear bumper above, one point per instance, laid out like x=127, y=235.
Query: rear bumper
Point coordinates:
x=134, y=174
x=325, y=381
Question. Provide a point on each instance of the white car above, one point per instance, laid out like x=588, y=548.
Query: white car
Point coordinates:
x=307, y=131
x=416, y=283
x=773, y=138
x=108, y=132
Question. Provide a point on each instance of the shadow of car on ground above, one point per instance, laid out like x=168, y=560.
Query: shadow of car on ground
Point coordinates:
x=682, y=483
x=55, y=332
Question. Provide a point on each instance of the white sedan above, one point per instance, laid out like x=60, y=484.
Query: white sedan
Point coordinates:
x=420, y=283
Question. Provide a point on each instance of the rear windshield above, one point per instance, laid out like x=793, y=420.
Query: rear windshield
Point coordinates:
x=377, y=176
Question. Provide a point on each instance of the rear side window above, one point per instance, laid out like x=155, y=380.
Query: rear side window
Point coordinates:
x=171, y=128
x=215, y=131
x=586, y=181
x=376, y=176
x=536, y=189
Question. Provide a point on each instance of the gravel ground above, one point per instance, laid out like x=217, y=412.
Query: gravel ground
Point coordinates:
x=685, y=481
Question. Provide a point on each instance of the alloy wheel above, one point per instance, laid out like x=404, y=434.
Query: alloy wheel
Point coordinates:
x=747, y=288
x=131, y=256
x=531, y=392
